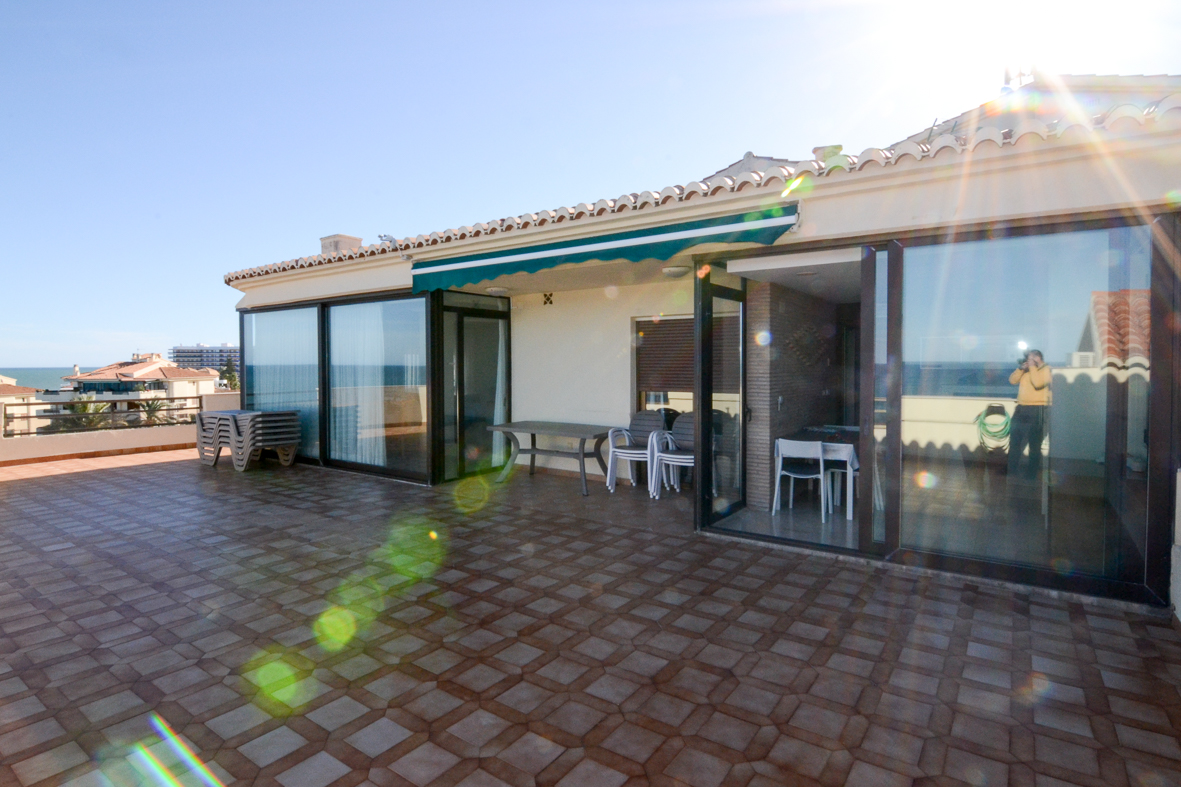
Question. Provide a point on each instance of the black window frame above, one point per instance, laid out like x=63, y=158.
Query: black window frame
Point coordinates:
x=1164, y=398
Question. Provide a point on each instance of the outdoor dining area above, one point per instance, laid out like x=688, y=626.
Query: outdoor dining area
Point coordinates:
x=663, y=440
x=827, y=454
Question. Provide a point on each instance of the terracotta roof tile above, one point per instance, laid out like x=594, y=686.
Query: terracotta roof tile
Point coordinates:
x=15, y=390
x=1003, y=130
x=1122, y=322
x=143, y=371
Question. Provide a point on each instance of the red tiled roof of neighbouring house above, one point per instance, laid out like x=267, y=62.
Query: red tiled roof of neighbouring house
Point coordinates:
x=1121, y=324
x=182, y=373
x=136, y=370
x=15, y=390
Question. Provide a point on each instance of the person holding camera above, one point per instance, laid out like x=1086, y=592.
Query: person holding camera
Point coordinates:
x=1028, y=425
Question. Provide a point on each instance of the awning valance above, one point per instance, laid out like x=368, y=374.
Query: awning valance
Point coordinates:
x=654, y=243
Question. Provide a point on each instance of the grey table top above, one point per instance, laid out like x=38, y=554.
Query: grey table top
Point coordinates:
x=554, y=429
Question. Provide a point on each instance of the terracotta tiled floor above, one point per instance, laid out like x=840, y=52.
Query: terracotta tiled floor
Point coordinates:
x=300, y=627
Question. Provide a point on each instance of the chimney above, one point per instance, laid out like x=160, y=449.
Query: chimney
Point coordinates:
x=76, y=370
x=338, y=243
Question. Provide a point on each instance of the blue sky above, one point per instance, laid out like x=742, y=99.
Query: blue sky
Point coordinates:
x=149, y=148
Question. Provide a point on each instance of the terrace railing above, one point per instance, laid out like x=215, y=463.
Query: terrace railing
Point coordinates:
x=23, y=419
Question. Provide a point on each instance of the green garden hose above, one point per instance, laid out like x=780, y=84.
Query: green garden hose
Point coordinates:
x=996, y=430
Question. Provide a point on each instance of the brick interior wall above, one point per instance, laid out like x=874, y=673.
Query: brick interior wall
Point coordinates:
x=798, y=363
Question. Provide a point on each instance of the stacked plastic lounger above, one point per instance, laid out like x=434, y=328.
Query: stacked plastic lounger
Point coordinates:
x=246, y=433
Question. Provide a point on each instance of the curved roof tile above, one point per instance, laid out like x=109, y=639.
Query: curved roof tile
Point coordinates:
x=1121, y=119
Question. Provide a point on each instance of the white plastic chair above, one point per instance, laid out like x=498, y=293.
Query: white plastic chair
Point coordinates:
x=845, y=457
x=671, y=451
x=635, y=446
x=801, y=454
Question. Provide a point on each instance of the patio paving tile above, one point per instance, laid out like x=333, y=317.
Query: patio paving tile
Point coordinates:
x=548, y=639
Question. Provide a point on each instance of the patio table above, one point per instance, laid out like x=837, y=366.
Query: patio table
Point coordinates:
x=839, y=444
x=579, y=432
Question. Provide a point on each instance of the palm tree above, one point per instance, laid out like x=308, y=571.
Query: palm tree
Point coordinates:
x=230, y=374
x=89, y=414
x=155, y=412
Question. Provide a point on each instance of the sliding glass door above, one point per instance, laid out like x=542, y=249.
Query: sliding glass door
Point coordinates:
x=378, y=385
x=1024, y=402
x=720, y=424
x=475, y=383
x=281, y=368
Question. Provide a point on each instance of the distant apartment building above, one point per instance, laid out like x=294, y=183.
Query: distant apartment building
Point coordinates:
x=203, y=356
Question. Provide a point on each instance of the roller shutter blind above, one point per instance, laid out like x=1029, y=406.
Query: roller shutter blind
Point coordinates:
x=664, y=355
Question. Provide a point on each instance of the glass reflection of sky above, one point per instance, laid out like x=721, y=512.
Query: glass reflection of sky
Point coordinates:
x=973, y=302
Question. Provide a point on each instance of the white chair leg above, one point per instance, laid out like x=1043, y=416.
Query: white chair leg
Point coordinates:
x=791, y=492
x=849, y=495
x=611, y=472
x=778, y=481
x=823, y=504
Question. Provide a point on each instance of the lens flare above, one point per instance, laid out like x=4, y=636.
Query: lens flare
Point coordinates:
x=412, y=552
x=1174, y=198
x=153, y=766
x=800, y=186
x=703, y=271
x=611, y=291
x=335, y=628
x=276, y=679
x=182, y=751
x=1062, y=566
x=763, y=338
x=1037, y=687
x=925, y=479
x=471, y=494
x=1148, y=779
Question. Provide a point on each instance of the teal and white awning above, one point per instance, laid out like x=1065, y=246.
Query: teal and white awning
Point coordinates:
x=655, y=243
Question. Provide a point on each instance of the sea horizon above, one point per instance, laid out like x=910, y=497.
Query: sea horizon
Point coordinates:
x=41, y=377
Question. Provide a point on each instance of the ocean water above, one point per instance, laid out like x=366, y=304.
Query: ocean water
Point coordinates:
x=42, y=377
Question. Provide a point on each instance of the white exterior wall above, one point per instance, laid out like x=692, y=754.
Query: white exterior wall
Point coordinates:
x=573, y=360
x=388, y=272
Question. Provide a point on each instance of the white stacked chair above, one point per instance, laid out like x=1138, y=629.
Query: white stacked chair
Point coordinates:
x=671, y=451
x=246, y=433
x=635, y=445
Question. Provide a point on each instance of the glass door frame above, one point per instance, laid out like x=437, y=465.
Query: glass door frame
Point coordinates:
x=890, y=473
x=435, y=319
x=1164, y=410
x=704, y=291
x=326, y=385
x=1164, y=415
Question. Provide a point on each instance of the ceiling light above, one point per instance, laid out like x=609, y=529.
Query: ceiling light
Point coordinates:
x=496, y=290
x=675, y=271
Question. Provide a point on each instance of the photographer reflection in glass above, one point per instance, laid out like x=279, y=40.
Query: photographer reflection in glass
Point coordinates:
x=1028, y=426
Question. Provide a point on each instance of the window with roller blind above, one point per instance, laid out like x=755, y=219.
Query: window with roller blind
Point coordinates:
x=664, y=362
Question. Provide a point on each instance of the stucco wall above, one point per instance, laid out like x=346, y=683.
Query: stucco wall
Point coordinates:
x=572, y=360
x=107, y=441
